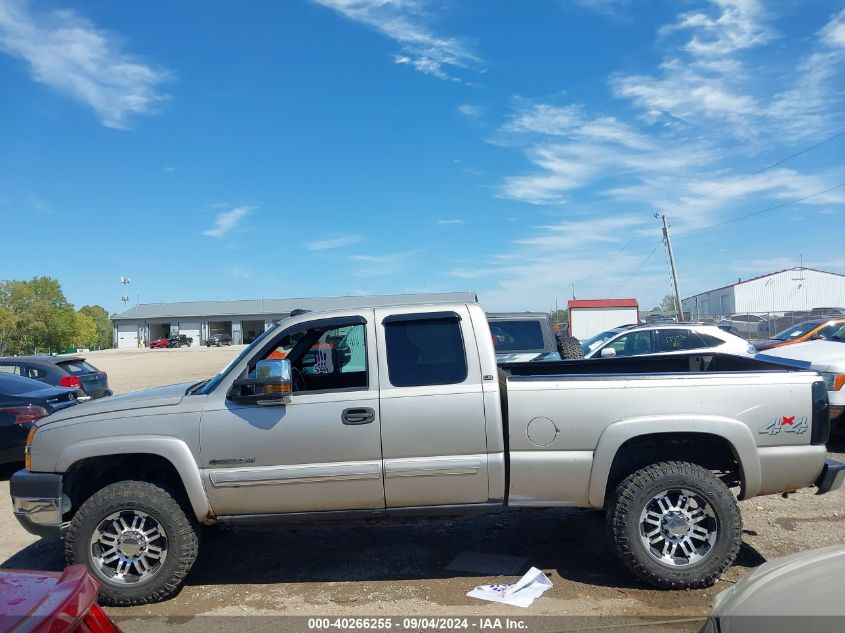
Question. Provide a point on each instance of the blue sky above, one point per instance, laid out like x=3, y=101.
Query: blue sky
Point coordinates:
x=375, y=146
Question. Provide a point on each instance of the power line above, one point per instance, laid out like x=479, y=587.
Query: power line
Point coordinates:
x=619, y=286
x=767, y=209
x=710, y=192
x=759, y=171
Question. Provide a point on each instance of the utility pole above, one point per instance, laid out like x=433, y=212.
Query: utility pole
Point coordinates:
x=678, y=310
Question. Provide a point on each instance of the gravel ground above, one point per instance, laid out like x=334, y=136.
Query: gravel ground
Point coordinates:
x=401, y=569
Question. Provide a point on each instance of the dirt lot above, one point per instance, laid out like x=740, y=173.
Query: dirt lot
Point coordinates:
x=402, y=570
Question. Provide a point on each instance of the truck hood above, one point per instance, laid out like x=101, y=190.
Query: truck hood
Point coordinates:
x=799, y=584
x=818, y=354
x=155, y=397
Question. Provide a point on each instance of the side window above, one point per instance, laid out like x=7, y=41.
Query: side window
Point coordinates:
x=673, y=340
x=35, y=373
x=705, y=340
x=325, y=358
x=10, y=369
x=425, y=352
x=633, y=344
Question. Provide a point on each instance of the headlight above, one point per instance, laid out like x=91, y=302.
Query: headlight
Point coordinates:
x=833, y=381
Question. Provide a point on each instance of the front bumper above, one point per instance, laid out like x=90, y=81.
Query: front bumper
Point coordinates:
x=38, y=502
x=832, y=477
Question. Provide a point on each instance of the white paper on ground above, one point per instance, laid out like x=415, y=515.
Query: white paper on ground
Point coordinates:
x=520, y=594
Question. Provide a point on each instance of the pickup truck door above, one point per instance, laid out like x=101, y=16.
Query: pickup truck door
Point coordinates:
x=432, y=408
x=320, y=452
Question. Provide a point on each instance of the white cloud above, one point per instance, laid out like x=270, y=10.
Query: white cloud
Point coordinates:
x=333, y=242
x=240, y=272
x=472, y=111
x=385, y=264
x=453, y=221
x=738, y=25
x=226, y=221
x=71, y=55
x=404, y=21
x=833, y=34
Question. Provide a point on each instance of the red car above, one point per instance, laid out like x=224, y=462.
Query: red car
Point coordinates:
x=159, y=342
x=51, y=602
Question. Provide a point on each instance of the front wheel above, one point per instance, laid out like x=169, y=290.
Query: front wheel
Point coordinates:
x=136, y=539
x=675, y=525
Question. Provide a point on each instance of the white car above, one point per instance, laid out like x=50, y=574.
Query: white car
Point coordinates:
x=825, y=357
x=664, y=338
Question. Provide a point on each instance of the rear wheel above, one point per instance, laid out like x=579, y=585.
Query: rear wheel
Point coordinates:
x=136, y=539
x=675, y=525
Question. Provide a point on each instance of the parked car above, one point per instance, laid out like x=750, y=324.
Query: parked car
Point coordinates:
x=523, y=336
x=664, y=338
x=217, y=340
x=825, y=357
x=51, y=602
x=61, y=371
x=828, y=312
x=799, y=592
x=159, y=342
x=179, y=340
x=419, y=422
x=817, y=329
x=751, y=326
x=24, y=401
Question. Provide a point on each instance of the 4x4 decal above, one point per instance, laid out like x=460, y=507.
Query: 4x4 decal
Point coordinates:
x=785, y=424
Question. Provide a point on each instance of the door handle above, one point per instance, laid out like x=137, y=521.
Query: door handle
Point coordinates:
x=362, y=415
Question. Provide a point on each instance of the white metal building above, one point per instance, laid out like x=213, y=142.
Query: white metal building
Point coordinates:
x=242, y=320
x=790, y=290
x=588, y=317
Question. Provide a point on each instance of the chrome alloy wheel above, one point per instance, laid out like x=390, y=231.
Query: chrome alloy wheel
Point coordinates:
x=128, y=547
x=678, y=527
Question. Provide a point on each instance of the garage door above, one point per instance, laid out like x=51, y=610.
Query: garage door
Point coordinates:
x=127, y=335
x=191, y=329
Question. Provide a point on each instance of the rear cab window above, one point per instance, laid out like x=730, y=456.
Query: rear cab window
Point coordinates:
x=517, y=335
x=425, y=349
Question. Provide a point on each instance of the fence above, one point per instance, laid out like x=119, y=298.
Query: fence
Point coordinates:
x=763, y=325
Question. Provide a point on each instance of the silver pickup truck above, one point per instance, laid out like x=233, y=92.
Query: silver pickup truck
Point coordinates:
x=400, y=412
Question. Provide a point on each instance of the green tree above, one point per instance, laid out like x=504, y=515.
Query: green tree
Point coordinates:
x=559, y=316
x=666, y=305
x=85, y=330
x=43, y=318
x=103, y=324
x=8, y=329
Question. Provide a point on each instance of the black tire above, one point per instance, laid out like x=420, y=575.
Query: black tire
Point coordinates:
x=630, y=501
x=180, y=529
x=569, y=347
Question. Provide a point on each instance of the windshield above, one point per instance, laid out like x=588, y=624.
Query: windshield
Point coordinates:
x=592, y=343
x=519, y=335
x=795, y=331
x=212, y=384
x=839, y=335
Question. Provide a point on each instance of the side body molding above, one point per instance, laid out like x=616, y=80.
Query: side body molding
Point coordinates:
x=173, y=450
x=737, y=434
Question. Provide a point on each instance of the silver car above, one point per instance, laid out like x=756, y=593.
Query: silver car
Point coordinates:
x=806, y=586
x=664, y=338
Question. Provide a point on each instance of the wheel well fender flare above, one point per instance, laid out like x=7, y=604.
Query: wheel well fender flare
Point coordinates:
x=736, y=433
x=173, y=450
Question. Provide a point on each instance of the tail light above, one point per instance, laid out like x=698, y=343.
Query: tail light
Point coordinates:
x=70, y=381
x=105, y=376
x=96, y=621
x=821, y=415
x=27, y=414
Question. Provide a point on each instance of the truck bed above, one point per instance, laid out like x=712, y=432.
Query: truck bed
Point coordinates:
x=651, y=364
